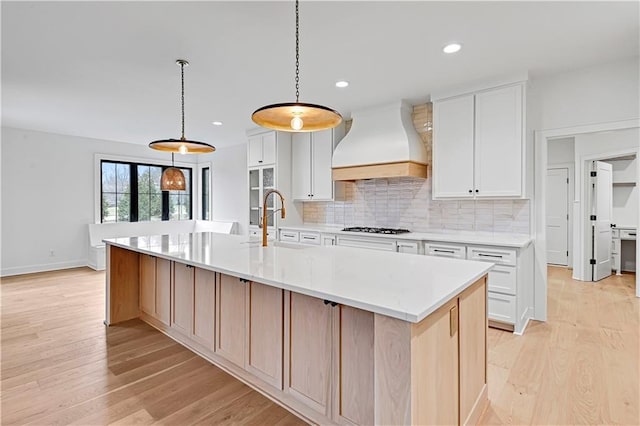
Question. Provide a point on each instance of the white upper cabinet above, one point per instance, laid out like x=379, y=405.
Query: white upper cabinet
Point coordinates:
x=311, y=165
x=453, y=151
x=478, y=145
x=262, y=149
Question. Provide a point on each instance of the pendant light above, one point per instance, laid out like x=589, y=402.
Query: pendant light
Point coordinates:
x=173, y=178
x=296, y=116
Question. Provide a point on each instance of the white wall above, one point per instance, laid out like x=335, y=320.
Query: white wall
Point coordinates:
x=561, y=151
x=229, y=186
x=564, y=105
x=598, y=94
x=48, y=196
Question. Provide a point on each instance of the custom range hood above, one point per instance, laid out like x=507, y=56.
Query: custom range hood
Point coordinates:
x=381, y=143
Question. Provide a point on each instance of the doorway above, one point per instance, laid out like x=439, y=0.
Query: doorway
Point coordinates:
x=539, y=223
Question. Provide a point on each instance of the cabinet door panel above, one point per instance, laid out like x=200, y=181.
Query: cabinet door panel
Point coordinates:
x=265, y=333
x=310, y=351
x=300, y=166
x=498, y=129
x=255, y=151
x=355, y=391
x=163, y=290
x=473, y=351
x=204, y=307
x=453, y=148
x=148, y=284
x=322, y=147
x=269, y=148
x=230, y=320
x=182, y=298
x=436, y=374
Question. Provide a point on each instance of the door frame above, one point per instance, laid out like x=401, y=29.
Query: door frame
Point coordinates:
x=538, y=224
x=570, y=201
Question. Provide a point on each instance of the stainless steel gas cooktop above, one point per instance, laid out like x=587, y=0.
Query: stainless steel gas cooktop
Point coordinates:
x=376, y=230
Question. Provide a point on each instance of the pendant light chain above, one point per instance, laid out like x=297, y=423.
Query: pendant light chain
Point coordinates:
x=182, y=98
x=297, y=53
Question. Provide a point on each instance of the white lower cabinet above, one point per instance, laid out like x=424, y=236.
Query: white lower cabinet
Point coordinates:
x=411, y=247
x=510, y=286
x=312, y=238
x=328, y=239
x=366, y=242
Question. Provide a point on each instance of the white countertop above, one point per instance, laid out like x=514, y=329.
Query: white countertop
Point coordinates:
x=404, y=286
x=450, y=236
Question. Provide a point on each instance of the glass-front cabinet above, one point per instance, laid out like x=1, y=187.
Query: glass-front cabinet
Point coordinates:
x=261, y=179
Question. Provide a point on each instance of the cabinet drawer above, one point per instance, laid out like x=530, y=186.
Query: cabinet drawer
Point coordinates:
x=407, y=247
x=497, y=255
x=292, y=236
x=445, y=250
x=370, y=243
x=310, y=238
x=627, y=234
x=502, y=279
x=502, y=307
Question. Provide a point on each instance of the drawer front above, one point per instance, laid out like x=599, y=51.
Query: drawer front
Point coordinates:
x=502, y=307
x=627, y=234
x=310, y=238
x=291, y=236
x=367, y=243
x=445, y=250
x=502, y=279
x=407, y=247
x=497, y=255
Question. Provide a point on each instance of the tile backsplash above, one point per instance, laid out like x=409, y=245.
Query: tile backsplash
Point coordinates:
x=406, y=203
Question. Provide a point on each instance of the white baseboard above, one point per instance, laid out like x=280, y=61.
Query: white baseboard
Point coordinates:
x=30, y=269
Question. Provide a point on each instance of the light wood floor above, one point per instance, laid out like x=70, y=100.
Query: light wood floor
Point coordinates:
x=61, y=365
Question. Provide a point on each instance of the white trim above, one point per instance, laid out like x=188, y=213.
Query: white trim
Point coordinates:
x=539, y=219
x=97, y=177
x=44, y=267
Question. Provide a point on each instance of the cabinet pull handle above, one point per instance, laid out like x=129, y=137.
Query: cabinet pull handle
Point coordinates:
x=308, y=238
x=259, y=161
x=326, y=302
x=243, y=280
x=453, y=321
x=443, y=251
x=633, y=234
x=496, y=256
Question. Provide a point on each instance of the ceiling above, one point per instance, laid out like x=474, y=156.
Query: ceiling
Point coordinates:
x=107, y=70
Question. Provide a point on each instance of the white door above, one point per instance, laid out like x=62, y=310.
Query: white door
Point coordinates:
x=557, y=216
x=601, y=206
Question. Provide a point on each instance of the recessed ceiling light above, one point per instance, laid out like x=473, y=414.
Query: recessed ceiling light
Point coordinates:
x=451, y=48
x=217, y=123
x=342, y=83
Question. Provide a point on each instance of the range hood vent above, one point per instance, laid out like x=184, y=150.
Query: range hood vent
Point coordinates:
x=382, y=143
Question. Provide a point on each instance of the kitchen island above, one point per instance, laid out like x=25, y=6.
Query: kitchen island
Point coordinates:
x=334, y=334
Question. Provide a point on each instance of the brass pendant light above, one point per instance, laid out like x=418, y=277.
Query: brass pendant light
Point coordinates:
x=173, y=178
x=296, y=116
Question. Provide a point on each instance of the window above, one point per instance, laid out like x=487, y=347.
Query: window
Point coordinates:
x=205, y=193
x=119, y=203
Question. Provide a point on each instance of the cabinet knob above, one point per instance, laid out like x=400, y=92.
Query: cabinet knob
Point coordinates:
x=259, y=161
x=477, y=190
x=470, y=192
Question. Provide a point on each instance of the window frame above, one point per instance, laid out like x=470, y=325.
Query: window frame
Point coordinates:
x=134, y=161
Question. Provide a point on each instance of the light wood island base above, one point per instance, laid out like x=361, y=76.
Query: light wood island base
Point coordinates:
x=327, y=363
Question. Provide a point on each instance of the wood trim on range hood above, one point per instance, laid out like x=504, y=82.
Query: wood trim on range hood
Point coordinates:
x=388, y=170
